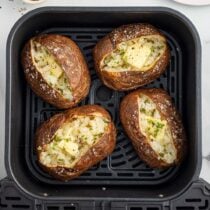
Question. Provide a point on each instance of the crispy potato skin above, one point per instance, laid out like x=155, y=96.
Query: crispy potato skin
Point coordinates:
x=68, y=55
x=95, y=154
x=129, y=116
x=128, y=80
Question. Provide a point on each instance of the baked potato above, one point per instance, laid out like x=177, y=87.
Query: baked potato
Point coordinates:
x=71, y=142
x=56, y=70
x=131, y=56
x=154, y=127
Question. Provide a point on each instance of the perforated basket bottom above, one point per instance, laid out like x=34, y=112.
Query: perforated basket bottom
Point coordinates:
x=123, y=166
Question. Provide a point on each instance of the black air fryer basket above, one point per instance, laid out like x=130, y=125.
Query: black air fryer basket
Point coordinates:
x=121, y=181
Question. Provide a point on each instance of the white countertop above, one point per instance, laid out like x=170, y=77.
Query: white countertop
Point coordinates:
x=11, y=10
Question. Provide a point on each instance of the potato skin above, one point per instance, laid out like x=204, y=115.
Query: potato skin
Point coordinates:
x=95, y=154
x=128, y=80
x=129, y=116
x=69, y=57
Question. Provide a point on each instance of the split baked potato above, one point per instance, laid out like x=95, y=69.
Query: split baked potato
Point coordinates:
x=56, y=70
x=71, y=142
x=131, y=56
x=154, y=127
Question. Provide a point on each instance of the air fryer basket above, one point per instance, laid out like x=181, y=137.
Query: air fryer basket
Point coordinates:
x=123, y=166
x=25, y=111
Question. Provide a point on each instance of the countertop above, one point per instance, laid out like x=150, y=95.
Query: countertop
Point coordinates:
x=12, y=10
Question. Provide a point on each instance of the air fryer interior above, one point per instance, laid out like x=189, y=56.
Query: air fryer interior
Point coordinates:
x=25, y=111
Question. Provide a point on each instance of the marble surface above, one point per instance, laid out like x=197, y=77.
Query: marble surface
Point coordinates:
x=11, y=10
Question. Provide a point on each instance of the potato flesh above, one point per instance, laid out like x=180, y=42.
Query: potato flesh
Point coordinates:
x=156, y=130
x=72, y=140
x=138, y=54
x=50, y=70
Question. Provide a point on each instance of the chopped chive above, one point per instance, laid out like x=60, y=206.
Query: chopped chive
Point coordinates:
x=143, y=110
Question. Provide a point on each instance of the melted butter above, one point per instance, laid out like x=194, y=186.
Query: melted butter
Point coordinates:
x=72, y=141
x=50, y=70
x=156, y=130
x=138, y=54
